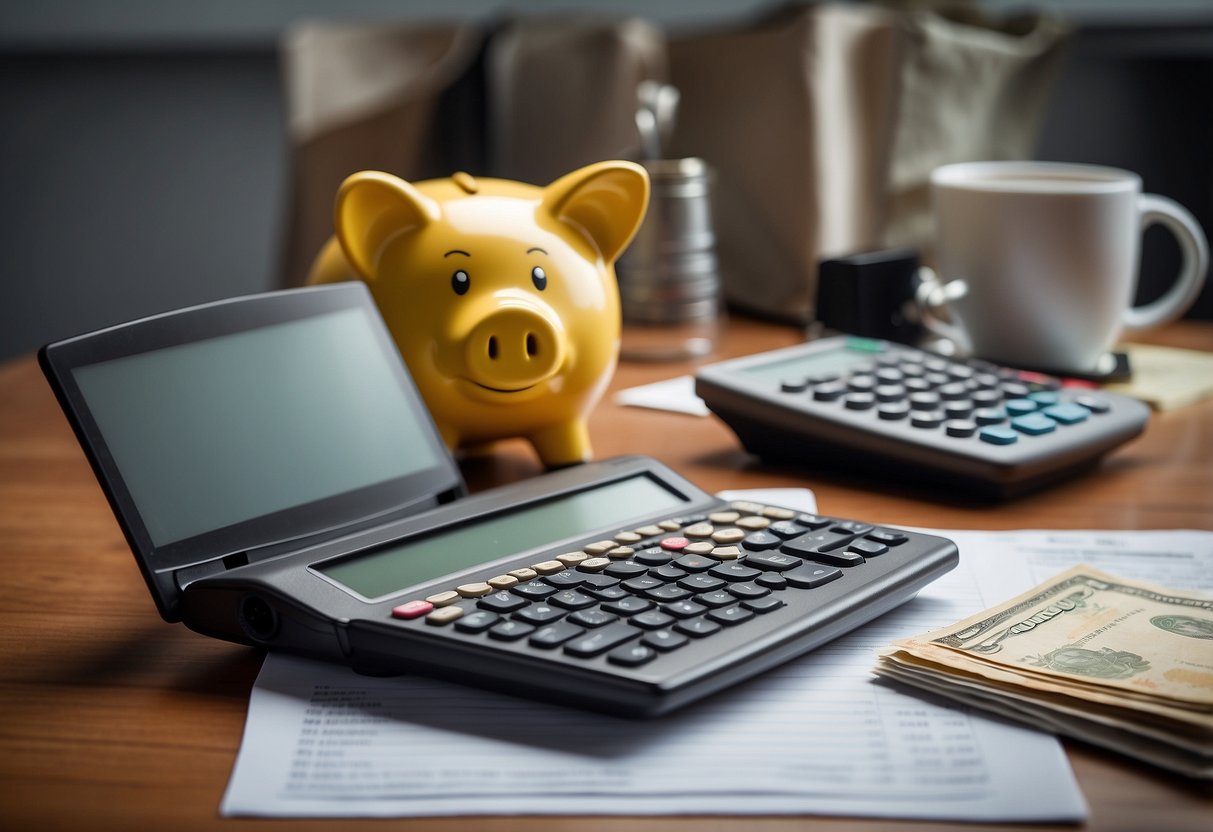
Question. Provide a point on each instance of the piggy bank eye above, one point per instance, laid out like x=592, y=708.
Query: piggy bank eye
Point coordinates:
x=460, y=282
x=539, y=278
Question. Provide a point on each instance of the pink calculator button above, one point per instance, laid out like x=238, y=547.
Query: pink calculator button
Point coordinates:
x=412, y=609
x=675, y=544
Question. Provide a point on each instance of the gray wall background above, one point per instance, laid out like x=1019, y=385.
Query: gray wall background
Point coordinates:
x=142, y=155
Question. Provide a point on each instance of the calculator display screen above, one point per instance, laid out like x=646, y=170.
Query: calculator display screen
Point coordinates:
x=613, y=504
x=211, y=433
x=823, y=361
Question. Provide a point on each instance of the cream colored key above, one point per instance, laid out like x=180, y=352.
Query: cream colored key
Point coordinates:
x=548, y=567
x=778, y=513
x=699, y=530
x=628, y=537
x=503, y=582
x=599, y=548
x=699, y=547
x=669, y=526
x=621, y=552
x=746, y=507
x=753, y=523
x=723, y=517
x=593, y=564
x=572, y=558
x=523, y=574
x=650, y=531
x=476, y=590
x=444, y=615
x=727, y=536
x=442, y=599
x=726, y=553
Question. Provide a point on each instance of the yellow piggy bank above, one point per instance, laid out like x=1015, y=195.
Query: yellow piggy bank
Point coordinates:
x=501, y=296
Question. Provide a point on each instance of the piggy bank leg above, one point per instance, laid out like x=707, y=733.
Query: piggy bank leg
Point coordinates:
x=567, y=443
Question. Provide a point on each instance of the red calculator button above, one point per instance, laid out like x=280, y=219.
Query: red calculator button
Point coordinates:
x=412, y=609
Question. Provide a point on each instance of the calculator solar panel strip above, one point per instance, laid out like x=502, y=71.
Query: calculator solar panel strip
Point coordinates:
x=281, y=485
x=893, y=411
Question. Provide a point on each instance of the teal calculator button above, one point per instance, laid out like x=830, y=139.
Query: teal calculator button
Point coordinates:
x=998, y=435
x=1033, y=424
x=1018, y=407
x=1045, y=398
x=1067, y=413
x=865, y=344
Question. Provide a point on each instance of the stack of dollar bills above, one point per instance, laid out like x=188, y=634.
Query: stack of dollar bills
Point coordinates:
x=1116, y=663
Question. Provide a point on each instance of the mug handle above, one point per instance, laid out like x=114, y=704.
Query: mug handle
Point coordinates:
x=931, y=296
x=1195, y=250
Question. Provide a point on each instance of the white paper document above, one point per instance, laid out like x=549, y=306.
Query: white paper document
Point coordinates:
x=816, y=736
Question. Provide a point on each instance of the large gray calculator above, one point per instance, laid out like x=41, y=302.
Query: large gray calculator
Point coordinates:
x=894, y=411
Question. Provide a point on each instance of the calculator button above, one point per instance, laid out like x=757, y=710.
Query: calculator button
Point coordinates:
x=592, y=618
x=960, y=428
x=602, y=640
x=668, y=572
x=924, y=401
x=534, y=590
x=669, y=592
x=593, y=564
x=628, y=537
x=444, y=615
x=758, y=541
x=412, y=609
x=839, y=557
x=565, y=579
x=699, y=530
x=746, y=507
x=695, y=563
x=794, y=385
x=656, y=556
x=986, y=398
x=1044, y=398
x=651, y=620
x=753, y=524
x=890, y=393
x=642, y=582
x=476, y=590
x=621, y=552
x=1018, y=407
x=571, y=599
x=771, y=561
x=540, y=614
x=986, y=381
x=701, y=583
x=477, y=622
x=829, y=391
x=989, y=415
x=626, y=569
x=1033, y=424
x=859, y=401
x=628, y=605
x=699, y=547
x=664, y=640
x=599, y=548
x=1014, y=390
x=725, y=537
x=776, y=513
x=810, y=576
x=713, y=600
x=608, y=593
x=892, y=411
x=724, y=518
x=726, y=553
x=523, y=574
x=443, y=599
x=675, y=544
x=957, y=410
x=554, y=635
x=861, y=383
x=572, y=558
x=595, y=579
x=685, y=609
x=812, y=521
x=850, y=527
x=731, y=616
x=937, y=379
x=548, y=567
x=960, y=372
x=510, y=630
x=1067, y=413
x=502, y=581
x=649, y=531
x=670, y=525
x=697, y=627
x=631, y=655
x=1093, y=404
x=868, y=548
x=889, y=538
x=822, y=540
x=762, y=605
x=926, y=418
x=734, y=571
x=502, y=602
x=998, y=435
x=889, y=375
x=747, y=590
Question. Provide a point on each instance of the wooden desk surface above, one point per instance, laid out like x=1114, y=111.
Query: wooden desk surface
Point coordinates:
x=112, y=719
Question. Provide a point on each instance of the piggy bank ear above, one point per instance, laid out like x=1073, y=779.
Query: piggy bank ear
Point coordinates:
x=605, y=201
x=373, y=208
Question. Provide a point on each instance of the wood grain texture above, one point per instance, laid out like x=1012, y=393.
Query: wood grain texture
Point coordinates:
x=113, y=719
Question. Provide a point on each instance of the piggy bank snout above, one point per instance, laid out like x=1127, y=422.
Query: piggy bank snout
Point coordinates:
x=515, y=347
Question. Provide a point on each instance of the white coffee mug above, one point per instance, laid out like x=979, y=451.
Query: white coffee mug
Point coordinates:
x=1037, y=262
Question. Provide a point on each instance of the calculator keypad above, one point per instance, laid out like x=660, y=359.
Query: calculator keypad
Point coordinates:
x=678, y=581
